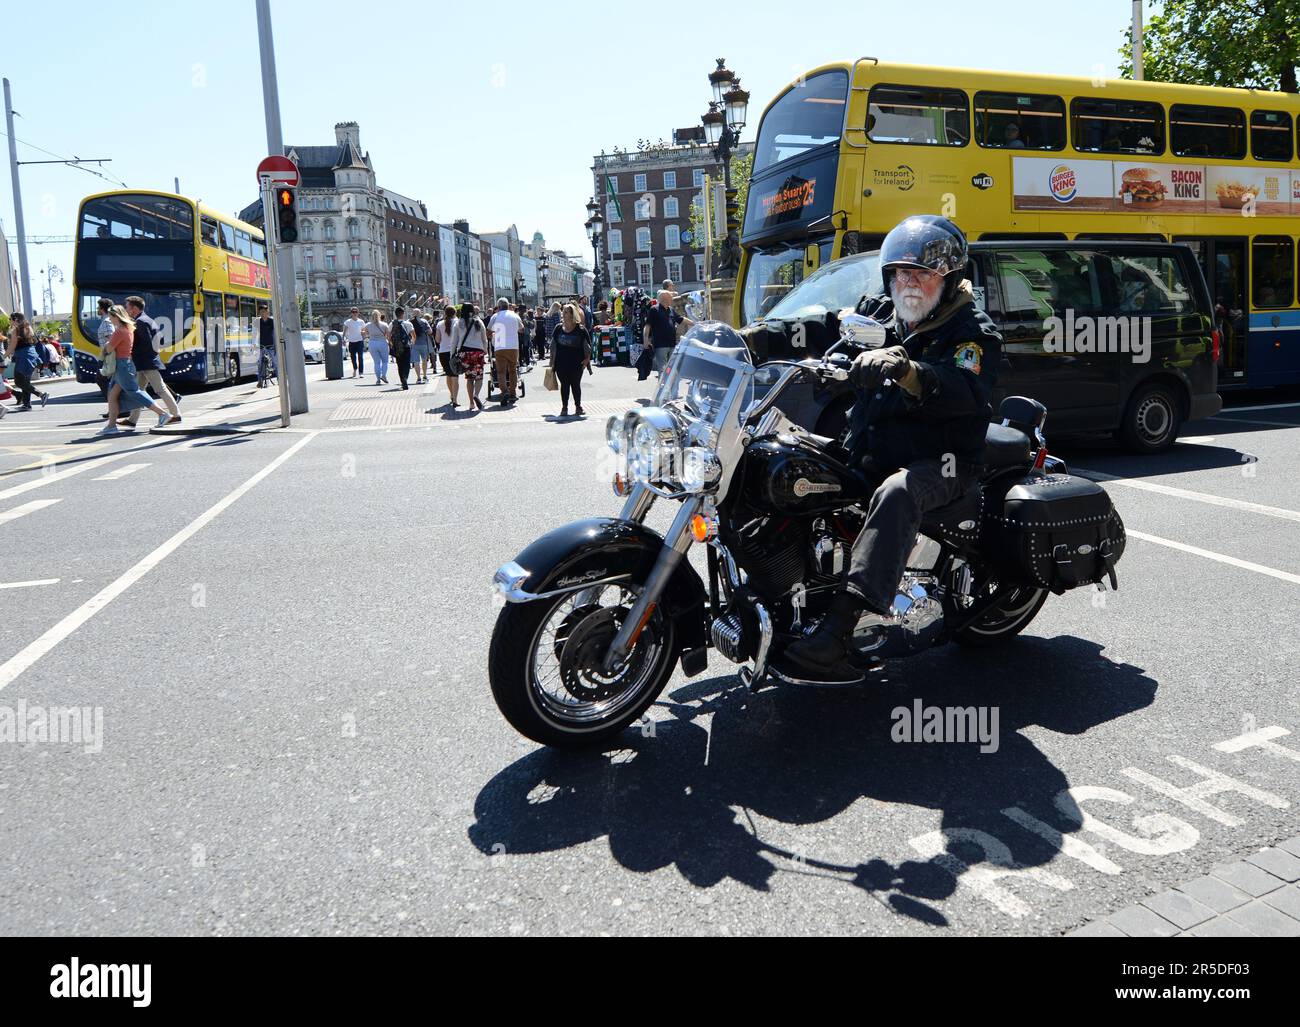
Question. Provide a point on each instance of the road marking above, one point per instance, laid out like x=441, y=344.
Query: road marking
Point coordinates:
x=90, y=464
x=1264, y=406
x=1195, y=439
x=1231, y=561
x=1200, y=497
x=29, y=584
x=122, y=472
x=27, y=508
x=1247, y=420
x=12, y=668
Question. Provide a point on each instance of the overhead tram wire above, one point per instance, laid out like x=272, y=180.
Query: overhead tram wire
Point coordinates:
x=72, y=162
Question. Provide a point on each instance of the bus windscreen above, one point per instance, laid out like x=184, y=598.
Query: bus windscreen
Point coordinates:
x=809, y=115
x=131, y=217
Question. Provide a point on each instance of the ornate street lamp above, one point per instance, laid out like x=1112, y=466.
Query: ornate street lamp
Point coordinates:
x=596, y=233
x=722, y=126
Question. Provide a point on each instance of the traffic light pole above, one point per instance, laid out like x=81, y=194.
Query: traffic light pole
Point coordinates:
x=288, y=324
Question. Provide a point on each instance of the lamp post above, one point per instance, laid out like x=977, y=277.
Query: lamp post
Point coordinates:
x=544, y=265
x=596, y=233
x=722, y=126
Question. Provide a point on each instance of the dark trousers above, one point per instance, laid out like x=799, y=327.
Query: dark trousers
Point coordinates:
x=357, y=353
x=403, y=359
x=893, y=518
x=26, y=390
x=570, y=376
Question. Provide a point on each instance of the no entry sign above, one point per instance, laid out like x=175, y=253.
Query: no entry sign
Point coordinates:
x=279, y=170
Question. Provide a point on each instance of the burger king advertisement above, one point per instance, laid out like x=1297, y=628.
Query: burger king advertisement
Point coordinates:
x=1138, y=187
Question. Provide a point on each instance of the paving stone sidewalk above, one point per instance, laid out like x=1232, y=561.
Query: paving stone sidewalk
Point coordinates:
x=1254, y=897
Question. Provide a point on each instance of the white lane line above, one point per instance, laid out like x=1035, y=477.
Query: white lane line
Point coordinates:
x=1247, y=420
x=46, y=643
x=91, y=463
x=1231, y=561
x=1264, y=406
x=1200, y=497
x=22, y=511
x=122, y=472
x=29, y=584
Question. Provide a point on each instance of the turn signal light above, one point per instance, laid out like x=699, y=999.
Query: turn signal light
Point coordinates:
x=621, y=487
x=703, y=528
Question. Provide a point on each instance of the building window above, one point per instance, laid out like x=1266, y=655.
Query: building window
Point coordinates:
x=697, y=177
x=306, y=231
x=354, y=230
x=356, y=260
x=670, y=207
x=643, y=210
x=675, y=269
x=643, y=240
x=329, y=260
x=616, y=272
x=638, y=183
x=672, y=238
x=670, y=179
x=329, y=230
x=309, y=261
x=644, y=272
x=616, y=241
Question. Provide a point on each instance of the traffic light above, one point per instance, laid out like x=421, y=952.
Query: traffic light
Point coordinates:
x=286, y=203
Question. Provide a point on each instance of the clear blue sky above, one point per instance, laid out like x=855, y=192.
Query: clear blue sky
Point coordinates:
x=488, y=111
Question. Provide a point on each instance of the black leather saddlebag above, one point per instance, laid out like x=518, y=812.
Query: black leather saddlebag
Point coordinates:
x=1057, y=532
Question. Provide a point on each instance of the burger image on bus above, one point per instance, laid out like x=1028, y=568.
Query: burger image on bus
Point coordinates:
x=1142, y=185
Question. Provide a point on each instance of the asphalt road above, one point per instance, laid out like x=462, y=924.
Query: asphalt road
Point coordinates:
x=285, y=636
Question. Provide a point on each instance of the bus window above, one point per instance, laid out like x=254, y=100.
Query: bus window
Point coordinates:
x=1019, y=121
x=227, y=237
x=1117, y=126
x=918, y=115
x=259, y=251
x=1270, y=135
x=1145, y=284
x=1217, y=132
x=807, y=116
x=128, y=216
x=211, y=235
x=243, y=244
x=248, y=315
x=1272, y=271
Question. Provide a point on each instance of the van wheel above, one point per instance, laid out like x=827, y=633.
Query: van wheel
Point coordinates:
x=1152, y=420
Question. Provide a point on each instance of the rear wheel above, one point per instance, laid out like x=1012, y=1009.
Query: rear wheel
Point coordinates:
x=1004, y=621
x=544, y=666
x=1152, y=420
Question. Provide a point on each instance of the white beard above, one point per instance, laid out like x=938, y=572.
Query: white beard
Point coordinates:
x=911, y=305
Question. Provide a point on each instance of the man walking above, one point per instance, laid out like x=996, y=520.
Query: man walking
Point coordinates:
x=400, y=339
x=661, y=329
x=148, y=363
x=506, y=326
x=354, y=334
x=266, y=368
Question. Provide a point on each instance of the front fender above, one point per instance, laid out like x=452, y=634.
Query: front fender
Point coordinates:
x=583, y=553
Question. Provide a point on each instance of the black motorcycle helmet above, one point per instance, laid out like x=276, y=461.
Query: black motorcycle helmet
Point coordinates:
x=928, y=241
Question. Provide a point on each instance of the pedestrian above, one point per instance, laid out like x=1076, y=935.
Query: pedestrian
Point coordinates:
x=506, y=327
x=570, y=356
x=539, y=332
x=526, y=339
x=470, y=345
x=401, y=335
x=266, y=368
x=603, y=316
x=354, y=334
x=422, y=351
x=661, y=329
x=552, y=320
x=377, y=333
x=148, y=362
x=125, y=391
x=22, y=352
x=445, y=333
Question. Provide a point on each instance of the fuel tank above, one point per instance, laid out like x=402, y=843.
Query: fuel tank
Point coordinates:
x=791, y=478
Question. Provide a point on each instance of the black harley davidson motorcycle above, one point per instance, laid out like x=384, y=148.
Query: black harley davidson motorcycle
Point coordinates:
x=598, y=613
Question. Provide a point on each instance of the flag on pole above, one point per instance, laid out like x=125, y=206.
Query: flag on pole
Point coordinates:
x=609, y=188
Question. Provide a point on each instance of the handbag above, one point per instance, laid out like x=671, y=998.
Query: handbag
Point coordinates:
x=551, y=382
x=109, y=365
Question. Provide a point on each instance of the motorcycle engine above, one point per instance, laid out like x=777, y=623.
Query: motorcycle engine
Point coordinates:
x=915, y=620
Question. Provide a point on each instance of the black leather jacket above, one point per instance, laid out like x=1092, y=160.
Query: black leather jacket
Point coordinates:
x=956, y=350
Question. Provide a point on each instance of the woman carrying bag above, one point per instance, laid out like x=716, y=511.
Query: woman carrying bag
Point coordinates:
x=570, y=356
x=469, y=349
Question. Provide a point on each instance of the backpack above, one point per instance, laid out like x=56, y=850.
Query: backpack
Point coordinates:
x=399, y=339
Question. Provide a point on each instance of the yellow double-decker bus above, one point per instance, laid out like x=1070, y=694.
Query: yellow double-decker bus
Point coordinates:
x=850, y=149
x=200, y=272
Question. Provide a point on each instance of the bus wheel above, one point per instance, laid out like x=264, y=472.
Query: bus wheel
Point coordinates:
x=1152, y=420
x=232, y=369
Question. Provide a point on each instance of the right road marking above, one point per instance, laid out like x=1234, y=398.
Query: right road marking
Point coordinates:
x=122, y=472
x=22, y=511
x=1231, y=561
x=29, y=584
x=1200, y=497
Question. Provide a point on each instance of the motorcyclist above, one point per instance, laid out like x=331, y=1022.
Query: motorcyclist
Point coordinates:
x=918, y=424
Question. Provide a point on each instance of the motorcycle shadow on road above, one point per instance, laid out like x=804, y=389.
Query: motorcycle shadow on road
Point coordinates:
x=730, y=784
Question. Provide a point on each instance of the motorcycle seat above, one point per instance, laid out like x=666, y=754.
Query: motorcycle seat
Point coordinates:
x=1006, y=447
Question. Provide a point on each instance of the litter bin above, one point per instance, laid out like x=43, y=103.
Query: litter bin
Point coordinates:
x=333, y=356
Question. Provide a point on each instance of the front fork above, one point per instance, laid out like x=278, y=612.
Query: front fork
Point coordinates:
x=676, y=543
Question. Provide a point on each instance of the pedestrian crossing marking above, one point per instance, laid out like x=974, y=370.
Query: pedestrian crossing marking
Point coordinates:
x=27, y=508
x=122, y=472
x=28, y=584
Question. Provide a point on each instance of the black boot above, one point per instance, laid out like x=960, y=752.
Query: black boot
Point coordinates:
x=831, y=644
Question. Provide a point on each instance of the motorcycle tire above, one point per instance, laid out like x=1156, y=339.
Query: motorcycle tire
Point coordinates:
x=998, y=625
x=511, y=661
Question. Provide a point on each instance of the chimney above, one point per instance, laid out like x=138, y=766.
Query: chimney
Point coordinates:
x=348, y=132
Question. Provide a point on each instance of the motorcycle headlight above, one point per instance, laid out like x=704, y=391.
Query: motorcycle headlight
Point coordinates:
x=653, y=453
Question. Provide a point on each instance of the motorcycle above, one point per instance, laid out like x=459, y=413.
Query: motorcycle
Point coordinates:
x=597, y=614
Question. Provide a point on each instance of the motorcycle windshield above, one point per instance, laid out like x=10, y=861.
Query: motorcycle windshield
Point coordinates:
x=707, y=384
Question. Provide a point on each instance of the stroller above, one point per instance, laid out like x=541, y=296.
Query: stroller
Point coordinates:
x=494, y=382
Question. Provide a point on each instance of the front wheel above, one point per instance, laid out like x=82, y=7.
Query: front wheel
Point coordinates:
x=544, y=666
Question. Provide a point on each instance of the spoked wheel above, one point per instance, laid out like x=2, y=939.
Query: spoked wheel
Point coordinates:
x=544, y=666
x=1005, y=620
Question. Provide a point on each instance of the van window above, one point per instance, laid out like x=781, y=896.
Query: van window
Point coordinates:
x=1196, y=131
x=1140, y=284
x=1272, y=272
x=1117, y=126
x=1038, y=284
x=918, y=115
x=1019, y=121
x=1270, y=135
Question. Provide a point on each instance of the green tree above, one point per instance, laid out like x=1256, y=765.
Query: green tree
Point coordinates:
x=742, y=167
x=1247, y=44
